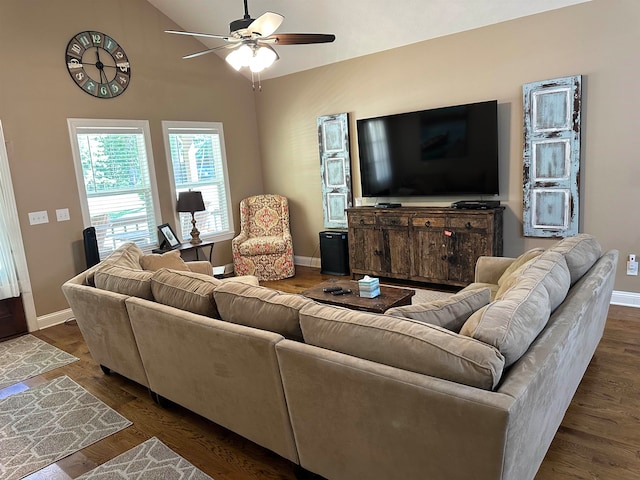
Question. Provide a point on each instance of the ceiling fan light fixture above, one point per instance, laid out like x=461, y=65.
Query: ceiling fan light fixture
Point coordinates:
x=240, y=57
x=262, y=58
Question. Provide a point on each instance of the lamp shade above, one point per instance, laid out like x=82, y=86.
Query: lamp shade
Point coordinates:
x=190, y=202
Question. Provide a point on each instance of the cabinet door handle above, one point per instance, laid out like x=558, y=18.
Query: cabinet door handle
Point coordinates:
x=377, y=252
x=427, y=224
x=467, y=225
x=362, y=221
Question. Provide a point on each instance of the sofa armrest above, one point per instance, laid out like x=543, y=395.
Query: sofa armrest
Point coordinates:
x=490, y=269
x=201, y=266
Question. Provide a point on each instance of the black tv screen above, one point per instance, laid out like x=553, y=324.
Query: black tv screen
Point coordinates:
x=443, y=151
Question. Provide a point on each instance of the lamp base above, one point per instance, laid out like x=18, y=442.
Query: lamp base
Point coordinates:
x=195, y=233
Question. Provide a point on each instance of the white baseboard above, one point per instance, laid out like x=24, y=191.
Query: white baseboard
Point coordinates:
x=627, y=299
x=307, y=261
x=55, y=318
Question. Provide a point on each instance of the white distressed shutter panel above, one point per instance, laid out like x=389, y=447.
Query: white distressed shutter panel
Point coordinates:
x=335, y=168
x=551, y=157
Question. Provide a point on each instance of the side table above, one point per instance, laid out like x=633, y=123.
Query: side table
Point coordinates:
x=186, y=247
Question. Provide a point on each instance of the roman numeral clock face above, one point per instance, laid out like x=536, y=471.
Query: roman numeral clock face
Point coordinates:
x=98, y=64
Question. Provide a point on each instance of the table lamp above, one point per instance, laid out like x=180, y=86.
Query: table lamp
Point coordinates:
x=191, y=202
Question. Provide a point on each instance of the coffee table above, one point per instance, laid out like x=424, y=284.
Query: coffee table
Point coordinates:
x=389, y=296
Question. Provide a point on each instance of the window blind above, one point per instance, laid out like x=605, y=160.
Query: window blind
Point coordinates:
x=118, y=185
x=197, y=160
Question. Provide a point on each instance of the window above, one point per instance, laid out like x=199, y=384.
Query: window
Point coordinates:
x=116, y=181
x=197, y=161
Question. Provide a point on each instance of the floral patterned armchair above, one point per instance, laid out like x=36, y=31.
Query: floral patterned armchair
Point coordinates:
x=264, y=247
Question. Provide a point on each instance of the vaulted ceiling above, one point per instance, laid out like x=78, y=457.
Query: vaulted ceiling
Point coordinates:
x=361, y=27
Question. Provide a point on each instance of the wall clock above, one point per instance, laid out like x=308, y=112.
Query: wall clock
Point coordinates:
x=98, y=64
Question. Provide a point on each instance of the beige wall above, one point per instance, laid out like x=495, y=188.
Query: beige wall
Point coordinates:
x=598, y=39
x=37, y=96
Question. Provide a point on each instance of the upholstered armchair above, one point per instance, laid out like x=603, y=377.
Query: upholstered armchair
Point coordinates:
x=264, y=247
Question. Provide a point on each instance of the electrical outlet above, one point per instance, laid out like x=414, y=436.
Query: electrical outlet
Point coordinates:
x=62, y=214
x=632, y=265
x=36, y=218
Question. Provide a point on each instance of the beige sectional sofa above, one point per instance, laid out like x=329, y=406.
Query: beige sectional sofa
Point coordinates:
x=473, y=386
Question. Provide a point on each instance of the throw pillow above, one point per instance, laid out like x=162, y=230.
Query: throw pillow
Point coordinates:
x=402, y=343
x=449, y=313
x=156, y=261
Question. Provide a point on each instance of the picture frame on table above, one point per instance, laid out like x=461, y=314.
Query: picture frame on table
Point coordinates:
x=168, y=237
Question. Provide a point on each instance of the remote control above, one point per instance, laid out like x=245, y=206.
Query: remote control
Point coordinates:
x=331, y=289
x=341, y=292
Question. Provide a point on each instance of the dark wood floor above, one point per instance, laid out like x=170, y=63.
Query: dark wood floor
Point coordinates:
x=598, y=439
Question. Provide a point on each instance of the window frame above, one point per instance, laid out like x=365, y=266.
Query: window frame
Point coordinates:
x=76, y=125
x=191, y=126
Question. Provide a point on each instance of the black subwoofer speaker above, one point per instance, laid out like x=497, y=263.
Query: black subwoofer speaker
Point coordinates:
x=91, y=254
x=334, y=253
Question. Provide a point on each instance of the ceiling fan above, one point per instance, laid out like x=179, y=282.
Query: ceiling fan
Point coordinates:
x=251, y=40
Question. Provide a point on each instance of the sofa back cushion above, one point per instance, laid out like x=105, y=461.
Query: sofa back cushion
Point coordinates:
x=508, y=275
x=449, y=313
x=126, y=255
x=550, y=268
x=261, y=307
x=513, y=322
x=580, y=252
x=188, y=291
x=403, y=343
x=124, y=280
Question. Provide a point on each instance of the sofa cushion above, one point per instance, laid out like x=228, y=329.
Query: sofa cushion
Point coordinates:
x=580, y=252
x=261, y=307
x=403, y=343
x=449, y=313
x=513, y=322
x=550, y=268
x=124, y=280
x=527, y=256
x=185, y=290
x=190, y=291
x=126, y=255
x=156, y=261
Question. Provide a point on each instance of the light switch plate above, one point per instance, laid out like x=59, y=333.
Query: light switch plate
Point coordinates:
x=36, y=218
x=62, y=214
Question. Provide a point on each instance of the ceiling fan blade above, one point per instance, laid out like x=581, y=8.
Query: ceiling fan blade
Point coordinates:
x=265, y=24
x=209, y=50
x=299, y=38
x=196, y=34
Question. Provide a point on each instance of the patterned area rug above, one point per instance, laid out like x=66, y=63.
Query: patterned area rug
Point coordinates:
x=44, y=424
x=27, y=356
x=152, y=459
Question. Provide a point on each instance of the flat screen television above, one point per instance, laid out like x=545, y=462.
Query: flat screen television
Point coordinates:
x=443, y=151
